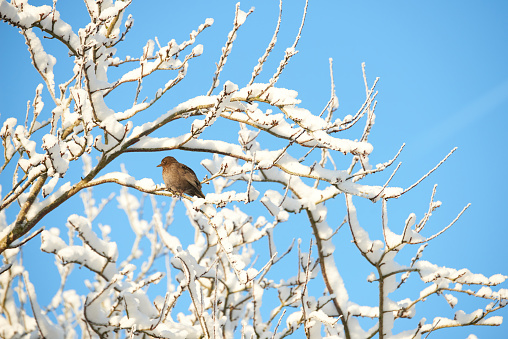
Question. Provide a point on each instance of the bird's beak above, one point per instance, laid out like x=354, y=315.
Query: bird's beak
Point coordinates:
x=159, y=165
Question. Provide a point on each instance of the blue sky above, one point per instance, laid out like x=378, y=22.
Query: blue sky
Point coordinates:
x=443, y=83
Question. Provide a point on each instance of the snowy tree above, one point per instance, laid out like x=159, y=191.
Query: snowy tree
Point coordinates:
x=286, y=164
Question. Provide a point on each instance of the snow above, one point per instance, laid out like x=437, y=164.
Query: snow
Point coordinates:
x=272, y=201
x=48, y=188
x=171, y=242
x=189, y=105
x=293, y=320
x=77, y=254
x=44, y=324
x=485, y=292
x=497, y=279
x=84, y=229
x=41, y=60
x=197, y=50
x=31, y=15
x=56, y=162
x=21, y=140
x=113, y=127
x=129, y=22
x=27, y=17
x=365, y=311
x=492, y=321
x=241, y=16
x=39, y=205
x=148, y=49
x=130, y=204
x=148, y=67
x=452, y=300
x=221, y=227
x=108, y=13
x=463, y=318
x=431, y=272
x=412, y=236
x=8, y=127
x=276, y=96
x=360, y=236
x=49, y=141
x=6, y=133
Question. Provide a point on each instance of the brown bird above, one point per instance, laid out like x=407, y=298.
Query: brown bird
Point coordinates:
x=179, y=178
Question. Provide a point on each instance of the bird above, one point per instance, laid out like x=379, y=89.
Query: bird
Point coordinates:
x=179, y=178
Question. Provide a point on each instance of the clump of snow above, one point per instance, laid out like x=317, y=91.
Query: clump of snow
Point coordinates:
x=197, y=50
x=240, y=18
x=44, y=324
x=273, y=200
x=452, y=300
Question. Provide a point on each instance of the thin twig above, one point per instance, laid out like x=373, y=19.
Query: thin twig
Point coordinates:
x=425, y=176
x=268, y=50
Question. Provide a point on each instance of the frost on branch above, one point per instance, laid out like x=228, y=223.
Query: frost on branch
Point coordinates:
x=215, y=267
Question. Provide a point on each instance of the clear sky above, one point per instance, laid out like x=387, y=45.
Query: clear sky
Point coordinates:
x=443, y=71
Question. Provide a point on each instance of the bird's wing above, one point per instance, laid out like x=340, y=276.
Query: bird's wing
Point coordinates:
x=187, y=168
x=194, y=181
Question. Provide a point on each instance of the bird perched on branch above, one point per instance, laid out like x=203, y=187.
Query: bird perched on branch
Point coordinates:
x=179, y=178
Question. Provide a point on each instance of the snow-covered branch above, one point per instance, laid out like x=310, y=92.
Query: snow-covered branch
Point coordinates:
x=275, y=168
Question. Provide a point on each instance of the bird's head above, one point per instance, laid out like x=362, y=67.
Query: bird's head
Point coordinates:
x=167, y=161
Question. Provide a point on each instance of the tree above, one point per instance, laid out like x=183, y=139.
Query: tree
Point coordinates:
x=284, y=159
